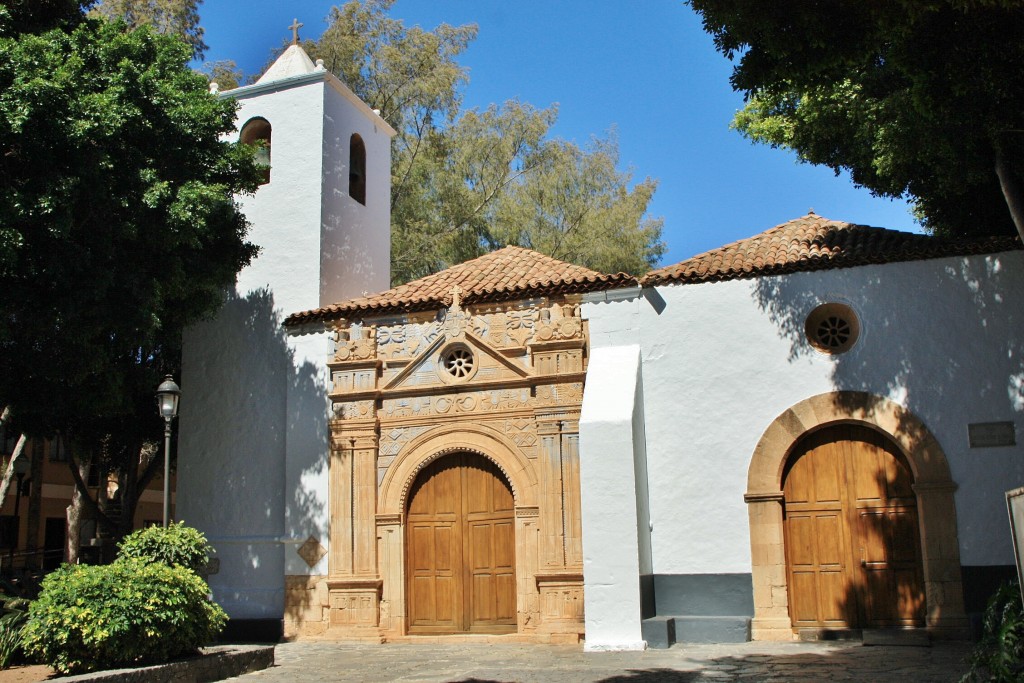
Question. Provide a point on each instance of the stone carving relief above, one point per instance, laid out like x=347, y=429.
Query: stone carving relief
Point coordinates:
x=523, y=433
x=392, y=441
x=502, y=329
x=406, y=341
x=567, y=326
x=354, y=380
x=311, y=551
x=354, y=410
x=358, y=344
x=451, y=404
x=559, y=394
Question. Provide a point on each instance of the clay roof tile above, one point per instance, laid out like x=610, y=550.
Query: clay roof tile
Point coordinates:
x=503, y=275
x=812, y=242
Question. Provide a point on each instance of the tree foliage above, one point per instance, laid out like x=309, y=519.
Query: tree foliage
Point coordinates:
x=168, y=17
x=117, y=228
x=914, y=99
x=459, y=178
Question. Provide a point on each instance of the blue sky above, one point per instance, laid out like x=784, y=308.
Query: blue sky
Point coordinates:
x=646, y=69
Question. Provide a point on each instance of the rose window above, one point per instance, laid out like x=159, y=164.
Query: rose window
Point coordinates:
x=458, y=362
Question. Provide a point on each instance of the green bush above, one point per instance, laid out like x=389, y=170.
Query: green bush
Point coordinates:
x=999, y=655
x=177, y=545
x=12, y=620
x=131, y=612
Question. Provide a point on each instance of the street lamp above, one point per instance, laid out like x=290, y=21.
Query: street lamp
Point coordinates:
x=167, y=395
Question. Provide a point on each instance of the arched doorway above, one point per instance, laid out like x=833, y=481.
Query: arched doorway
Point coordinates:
x=932, y=484
x=460, y=548
x=853, y=552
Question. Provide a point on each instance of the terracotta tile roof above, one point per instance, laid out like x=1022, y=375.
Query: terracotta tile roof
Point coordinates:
x=502, y=275
x=812, y=242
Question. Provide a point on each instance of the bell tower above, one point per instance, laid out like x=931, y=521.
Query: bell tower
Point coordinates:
x=253, y=452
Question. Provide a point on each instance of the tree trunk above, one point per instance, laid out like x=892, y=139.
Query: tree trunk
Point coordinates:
x=5, y=484
x=75, y=513
x=1011, y=191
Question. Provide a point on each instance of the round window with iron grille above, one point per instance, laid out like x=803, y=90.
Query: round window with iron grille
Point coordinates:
x=458, y=362
x=832, y=328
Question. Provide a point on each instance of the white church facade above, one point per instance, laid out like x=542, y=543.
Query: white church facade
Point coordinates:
x=808, y=430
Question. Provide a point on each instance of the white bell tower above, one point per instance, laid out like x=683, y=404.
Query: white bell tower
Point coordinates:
x=253, y=451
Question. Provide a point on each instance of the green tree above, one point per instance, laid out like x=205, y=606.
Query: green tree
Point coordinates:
x=224, y=72
x=456, y=175
x=117, y=228
x=168, y=17
x=914, y=99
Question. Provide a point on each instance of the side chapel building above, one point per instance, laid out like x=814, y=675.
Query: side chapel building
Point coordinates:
x=809, y=429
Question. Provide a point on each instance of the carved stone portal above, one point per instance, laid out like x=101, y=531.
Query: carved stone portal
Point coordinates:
x=504, y=382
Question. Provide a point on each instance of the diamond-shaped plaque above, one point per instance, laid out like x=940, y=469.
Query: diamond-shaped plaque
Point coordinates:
x=311, y=551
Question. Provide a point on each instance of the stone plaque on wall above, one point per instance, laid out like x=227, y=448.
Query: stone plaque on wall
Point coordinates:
x=991, y=434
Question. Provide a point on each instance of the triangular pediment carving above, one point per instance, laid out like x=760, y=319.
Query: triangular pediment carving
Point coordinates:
x=462, y=359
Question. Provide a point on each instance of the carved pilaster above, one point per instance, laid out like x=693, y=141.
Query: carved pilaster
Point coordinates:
x=353, y=477
x=558, y=470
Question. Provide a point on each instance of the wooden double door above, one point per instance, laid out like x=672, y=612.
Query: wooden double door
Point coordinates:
x=853, y=550
x=460, y=548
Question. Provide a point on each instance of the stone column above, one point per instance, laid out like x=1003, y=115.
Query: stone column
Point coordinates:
x=560, y=574
x=768, y=554
x=353, y=583
x=943, y=587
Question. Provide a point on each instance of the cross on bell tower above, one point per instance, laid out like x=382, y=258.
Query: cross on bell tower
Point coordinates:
x=295, y=31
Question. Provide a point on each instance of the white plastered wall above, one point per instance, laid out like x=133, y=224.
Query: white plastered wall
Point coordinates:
x=616, y=539
x=720, y=361
x=253, y=451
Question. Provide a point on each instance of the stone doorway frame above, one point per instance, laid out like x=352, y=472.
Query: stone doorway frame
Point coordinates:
x=394, y=494
x=933, y=485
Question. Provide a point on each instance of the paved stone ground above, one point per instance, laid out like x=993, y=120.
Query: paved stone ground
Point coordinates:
x=319, y=661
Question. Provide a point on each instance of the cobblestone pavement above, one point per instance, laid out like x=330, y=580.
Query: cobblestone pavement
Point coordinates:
x=315, y=661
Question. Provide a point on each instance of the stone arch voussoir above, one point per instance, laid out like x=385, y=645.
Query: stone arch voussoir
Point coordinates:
x=443, y=440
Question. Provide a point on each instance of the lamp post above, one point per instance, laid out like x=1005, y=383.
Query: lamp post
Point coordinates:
x=167, y=395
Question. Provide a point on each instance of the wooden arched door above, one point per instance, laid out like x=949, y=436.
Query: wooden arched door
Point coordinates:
x=460, y=548
x=853, y=551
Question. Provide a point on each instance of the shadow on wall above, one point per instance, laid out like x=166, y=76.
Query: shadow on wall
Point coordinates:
x=236, y=489
x=944, y=338
x=934, y=336
x=308, y=453
x=243, y=424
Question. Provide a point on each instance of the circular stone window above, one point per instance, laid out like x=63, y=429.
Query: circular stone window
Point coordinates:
x=833, y=328
x=458, y=363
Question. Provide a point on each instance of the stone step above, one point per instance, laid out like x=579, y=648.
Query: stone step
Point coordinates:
x=909, y=637
x=659, y=632
x=719, y=629
x=664, y=631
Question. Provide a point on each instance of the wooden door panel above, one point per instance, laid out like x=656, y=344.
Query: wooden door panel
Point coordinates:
x=461, y=548
x=869, y=476
x=832, y=597
x=504, y=546
x=804, y=597
x=910, y=603
x=828, y=534
x=904, y=532
x=851, y=532
x=505, y=604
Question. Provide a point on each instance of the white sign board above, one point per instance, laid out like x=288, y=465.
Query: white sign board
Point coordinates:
x=1015, y=506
